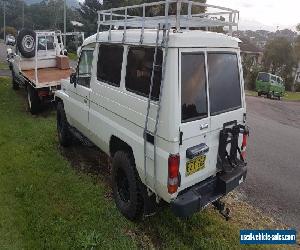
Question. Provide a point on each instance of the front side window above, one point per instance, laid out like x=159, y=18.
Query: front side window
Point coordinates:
x=110, y=59
x=264, y=77
x=139, y=71
x=224, y=82
x=193, y=87
x=85, y=67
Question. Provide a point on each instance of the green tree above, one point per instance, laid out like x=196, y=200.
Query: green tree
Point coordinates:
x=298, y=27
x=279, y=58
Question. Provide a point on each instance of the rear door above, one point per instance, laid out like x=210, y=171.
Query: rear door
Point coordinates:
x=195, y=119
x=226, y=94
x=211, y=95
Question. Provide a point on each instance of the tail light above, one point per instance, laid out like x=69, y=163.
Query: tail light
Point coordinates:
x=43, y=93
x=244, y=145
x=173, y=173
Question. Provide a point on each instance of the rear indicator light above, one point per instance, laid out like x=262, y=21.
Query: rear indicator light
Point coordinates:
x=244, y=145
x=173, y=173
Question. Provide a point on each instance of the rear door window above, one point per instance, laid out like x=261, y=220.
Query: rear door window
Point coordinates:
x=193, y=87
x=224, y=82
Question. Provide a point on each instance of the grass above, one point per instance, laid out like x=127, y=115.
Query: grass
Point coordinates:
x=3, y=65
x=289, y=96
x=72, y=56
x=47, y=202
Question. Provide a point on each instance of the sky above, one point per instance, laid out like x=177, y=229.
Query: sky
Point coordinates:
x=264, y=14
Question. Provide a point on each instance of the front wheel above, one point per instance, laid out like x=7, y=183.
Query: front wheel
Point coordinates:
x=63, y=128
x=15, y=85
x=126, y=186
x=33, y=100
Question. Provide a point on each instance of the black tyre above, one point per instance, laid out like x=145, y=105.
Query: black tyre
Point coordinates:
x=15, y=85
x=33, y=100
x=63, y=127
x=259, y=94
x=127, y=186
x=26, y=41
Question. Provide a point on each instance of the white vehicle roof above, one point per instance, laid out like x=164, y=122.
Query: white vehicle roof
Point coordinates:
x=182, y=39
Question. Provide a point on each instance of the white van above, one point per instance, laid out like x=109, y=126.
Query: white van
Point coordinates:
x=167, y=105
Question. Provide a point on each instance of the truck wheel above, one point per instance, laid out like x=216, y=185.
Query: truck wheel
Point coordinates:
x=126, y=186
x=33, y=101
x=26, y=41
x=15, y=85
x=63, y=131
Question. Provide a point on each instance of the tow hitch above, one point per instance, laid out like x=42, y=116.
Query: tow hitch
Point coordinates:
x=223, y=210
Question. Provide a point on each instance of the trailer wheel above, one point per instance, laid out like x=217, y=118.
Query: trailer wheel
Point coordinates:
x=15, y=85
x=126, y=186
x=64, y=134
x=33, y=101
x=26, y=41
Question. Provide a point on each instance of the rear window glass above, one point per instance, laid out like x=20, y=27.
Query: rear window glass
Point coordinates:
x=110, y=59
x=193, y=87
x=224, y=82
x=264, y=77
x=139, y=71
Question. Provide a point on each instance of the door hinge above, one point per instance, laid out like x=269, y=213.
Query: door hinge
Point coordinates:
x=180, y=137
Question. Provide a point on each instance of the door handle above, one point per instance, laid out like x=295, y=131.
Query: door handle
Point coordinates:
x=203, y=126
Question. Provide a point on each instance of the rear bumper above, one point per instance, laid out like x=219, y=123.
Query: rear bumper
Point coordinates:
x=206, y=192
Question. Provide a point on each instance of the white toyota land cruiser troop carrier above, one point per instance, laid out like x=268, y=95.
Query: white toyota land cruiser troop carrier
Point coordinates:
x=166, y=104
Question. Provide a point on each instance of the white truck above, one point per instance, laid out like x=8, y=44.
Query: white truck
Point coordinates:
x=38, y=64
x=166, y=104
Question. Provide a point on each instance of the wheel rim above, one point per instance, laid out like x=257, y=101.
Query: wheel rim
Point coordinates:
x=123, y=186
x=28, y=43
x=29, y=99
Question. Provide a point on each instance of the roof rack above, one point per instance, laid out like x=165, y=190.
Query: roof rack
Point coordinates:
x=178, y=14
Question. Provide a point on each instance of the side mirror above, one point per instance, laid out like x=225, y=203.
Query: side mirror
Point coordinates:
x=73, y=79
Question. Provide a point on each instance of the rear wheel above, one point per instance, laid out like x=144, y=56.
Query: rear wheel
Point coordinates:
x=33, y=100
x=63, y=127
x=126, y=186
x=26, y=43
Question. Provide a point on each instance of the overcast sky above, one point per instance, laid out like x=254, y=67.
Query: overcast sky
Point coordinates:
x=267, y=14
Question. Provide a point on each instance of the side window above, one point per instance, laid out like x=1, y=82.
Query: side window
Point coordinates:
x=224, y=82
x=193, y=87
x=84, y=68
x=110, y=59
x=139, y=71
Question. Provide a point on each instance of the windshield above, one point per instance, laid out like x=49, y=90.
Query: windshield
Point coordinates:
x=264, y=77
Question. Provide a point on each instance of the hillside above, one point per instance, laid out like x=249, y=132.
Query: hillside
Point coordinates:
x=71, y=3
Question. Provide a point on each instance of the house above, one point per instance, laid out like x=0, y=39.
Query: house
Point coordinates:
x=250, y=51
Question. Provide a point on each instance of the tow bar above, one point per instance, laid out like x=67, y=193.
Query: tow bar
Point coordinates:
x=224, y=211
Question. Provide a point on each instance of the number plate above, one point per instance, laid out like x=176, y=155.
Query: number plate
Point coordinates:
x=195, y=165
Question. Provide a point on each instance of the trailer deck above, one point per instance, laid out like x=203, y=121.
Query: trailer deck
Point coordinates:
x=47, y=76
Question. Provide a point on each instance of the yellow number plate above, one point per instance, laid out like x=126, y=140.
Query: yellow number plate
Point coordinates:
x=195, y=165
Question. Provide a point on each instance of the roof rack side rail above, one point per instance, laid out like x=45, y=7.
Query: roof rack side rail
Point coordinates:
x=184, y=17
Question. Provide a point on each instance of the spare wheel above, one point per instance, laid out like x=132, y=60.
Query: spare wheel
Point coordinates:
x=26, y=43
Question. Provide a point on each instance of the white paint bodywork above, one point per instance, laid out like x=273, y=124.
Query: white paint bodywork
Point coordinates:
x=103, y=110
